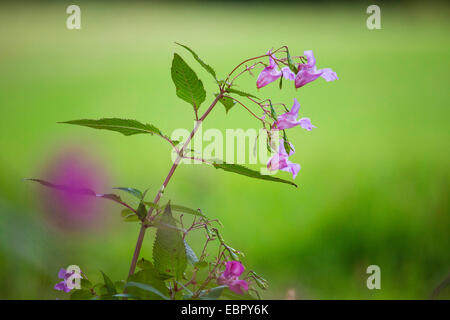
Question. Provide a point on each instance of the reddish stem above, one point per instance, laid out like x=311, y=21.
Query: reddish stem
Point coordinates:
x=140, y=239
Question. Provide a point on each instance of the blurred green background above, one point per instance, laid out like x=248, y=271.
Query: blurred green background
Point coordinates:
x=374, y=184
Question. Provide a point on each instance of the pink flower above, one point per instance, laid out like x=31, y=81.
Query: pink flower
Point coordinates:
x=308, y=72
x=280, y=161
x=230, y=277
x=271, y=73
x=63, y=274
x=289, y=119
x=76, y=167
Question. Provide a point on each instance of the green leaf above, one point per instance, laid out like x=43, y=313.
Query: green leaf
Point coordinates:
x=236, y=168
x=227, y=293
x=126, y=212
x=132, y=218
x=241, y=93
x=134, y=192
x=203, y=64
x=82, y=294
x=109, y=284
x=145, y=264
x=125, y=126
x=126, y=295
x=120, y=285
x=188, y=87
x=169, y=252
x=146, y=287
x=149, y=276
x=100, y=289
x=190, y=254
x=227, y=102
x=213, y=293
x=141, y=211
x=187, y=210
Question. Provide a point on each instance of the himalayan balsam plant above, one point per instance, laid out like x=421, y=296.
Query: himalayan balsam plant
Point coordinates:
x=177, y=272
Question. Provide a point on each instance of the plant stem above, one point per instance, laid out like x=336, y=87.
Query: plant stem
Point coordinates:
x=140, y=239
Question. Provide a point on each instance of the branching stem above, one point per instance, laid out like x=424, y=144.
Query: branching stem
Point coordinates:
x=140, y=239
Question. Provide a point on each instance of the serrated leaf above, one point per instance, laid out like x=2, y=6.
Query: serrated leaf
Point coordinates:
x=169, y=253
x=227, y=102
x=241, y=93
x=190, y=254
x=203, y=64
x=134, y=192
x=125, y=126
x=188, y=86
x=145, y=264
x=146, y=287
x=239, y=169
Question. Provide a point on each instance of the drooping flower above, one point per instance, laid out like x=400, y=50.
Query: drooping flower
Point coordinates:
x=308, y=72
x=230, y=277
x=271, y=73
x=288, y=74
x=280, y=160
x=63, y=274
x=289, y=119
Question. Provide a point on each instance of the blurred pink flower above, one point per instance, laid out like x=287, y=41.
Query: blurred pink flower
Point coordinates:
x=74, y=168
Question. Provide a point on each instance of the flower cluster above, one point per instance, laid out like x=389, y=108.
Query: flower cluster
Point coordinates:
x=306, y=72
